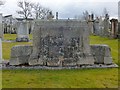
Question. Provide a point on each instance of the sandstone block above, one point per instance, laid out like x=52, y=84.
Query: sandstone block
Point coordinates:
x=101, y=54
x=20, y=54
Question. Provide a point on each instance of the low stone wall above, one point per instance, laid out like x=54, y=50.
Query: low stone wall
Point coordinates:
x=20, y=55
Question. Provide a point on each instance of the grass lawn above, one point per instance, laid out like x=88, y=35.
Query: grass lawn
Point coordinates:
x=82, y=78
x=13, y=36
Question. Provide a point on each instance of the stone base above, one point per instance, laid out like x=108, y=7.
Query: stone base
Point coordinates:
x=20, y=54
x=61, y=61
x=108, y=60
x=100, y=54
x=6, y=66
x=23, y=39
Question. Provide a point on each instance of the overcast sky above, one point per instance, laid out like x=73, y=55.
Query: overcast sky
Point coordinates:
x=67, y=8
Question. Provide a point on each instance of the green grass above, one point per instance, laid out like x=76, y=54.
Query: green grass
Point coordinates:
x=82, y=78
x=13, y=36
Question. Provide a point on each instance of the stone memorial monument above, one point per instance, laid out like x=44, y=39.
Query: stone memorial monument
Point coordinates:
x=64, y=41
x=114, y=28
x=22, y=31
x=91, y=24
x=96, y=27
x=60, y=43
x=106, y=26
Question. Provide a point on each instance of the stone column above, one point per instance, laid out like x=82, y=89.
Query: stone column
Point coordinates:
x=0, y=49
x=119, y=11
x=56, y=15
x=106, y=26
x=91, y=23
x=0, y=63
x=22, y=31
x=114, y=28
x=96, y=27
x=1, y=31
x=1, y=36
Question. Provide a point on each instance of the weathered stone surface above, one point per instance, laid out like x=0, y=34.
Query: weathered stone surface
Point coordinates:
x=60, y=38
x=96, y=27
x=108, y=60
x=22, y=31
x=1, y=37
x=69, y=62
x=20, y=54
x=85, y=59
x=114, y=28
x=1, y=31
x=0, y=49
x=101, y=54
x=119, y=11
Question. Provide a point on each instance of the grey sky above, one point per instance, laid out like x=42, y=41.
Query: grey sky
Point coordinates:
x=67, y=8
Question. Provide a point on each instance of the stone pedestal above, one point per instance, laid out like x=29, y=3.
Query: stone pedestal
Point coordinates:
x=114, y=28
x=0, y=49
x=20, y=54
x=1, y=30
x=22, y=31
x=102, y=54
x=54, y=39
x=90, y=24
x=1, y=37
x=96, y=27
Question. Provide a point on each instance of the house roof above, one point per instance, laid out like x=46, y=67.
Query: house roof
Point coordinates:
x=20, y=19
x=7, y=16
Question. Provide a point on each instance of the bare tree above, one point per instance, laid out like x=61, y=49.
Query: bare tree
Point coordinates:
x=105, y=12
x=85, y=15
x=40, y=11
x=2, y=2
x=26, y=9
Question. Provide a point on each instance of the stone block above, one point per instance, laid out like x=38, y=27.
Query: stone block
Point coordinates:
x=53, y=62
x=86, y=61
x=22, y=31
x=21, y=50
x=107, y=51
x=108, y=60
x=69, y=62
x=19, y=60
x=20, y=54
x=1, y=29
x=101, y=53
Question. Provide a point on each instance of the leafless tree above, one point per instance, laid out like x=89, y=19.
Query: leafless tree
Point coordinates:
x=85, y=15
x=40, y=11
x=105, y=12
x=2, y=2
x=26, y=9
